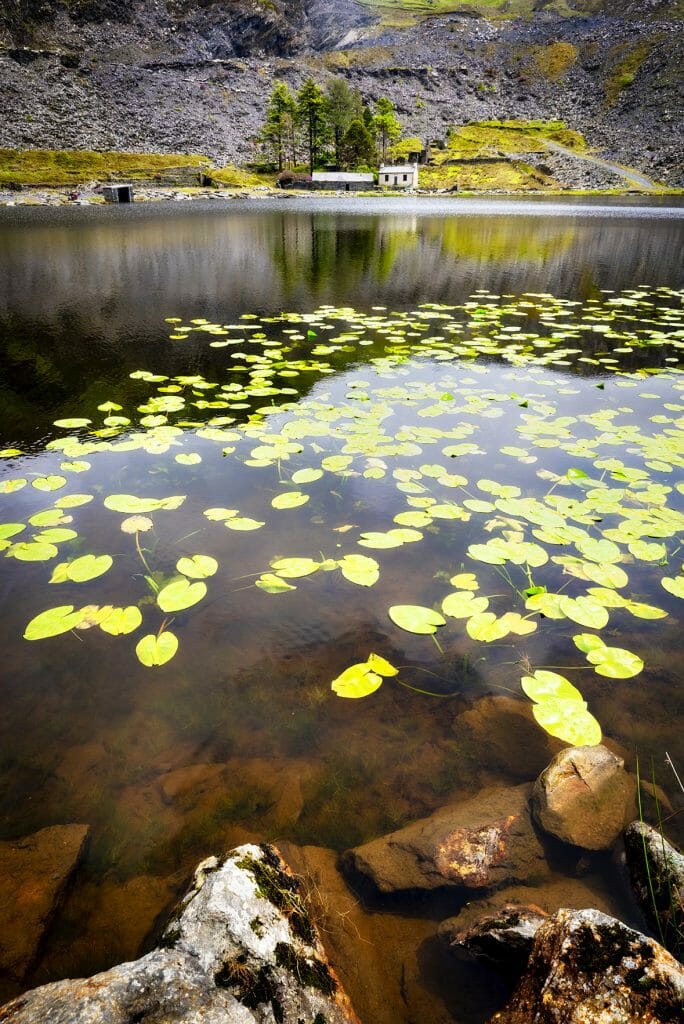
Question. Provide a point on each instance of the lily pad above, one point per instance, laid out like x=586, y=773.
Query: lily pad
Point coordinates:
x=197, y=567
x=360, y=569
x=615, y=662
x=180, y=594
x=568, y=720
x=356, y=681
x=52, y=622
x=273, y=584
x=415, y=618
x=121, y=621
x=295, y=568
x=155, y=650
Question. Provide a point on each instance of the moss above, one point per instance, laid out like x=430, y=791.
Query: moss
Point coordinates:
x=310, y=972
x=624, y=70
x=554, y=60
x=252, y=987
x=280, y=889
x=257, y=926
x=73, y=167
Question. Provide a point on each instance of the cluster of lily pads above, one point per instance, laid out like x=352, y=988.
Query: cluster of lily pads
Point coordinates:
x=582, y=519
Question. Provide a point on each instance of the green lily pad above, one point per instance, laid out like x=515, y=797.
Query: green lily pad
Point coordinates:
x=295, y=568
x=52, y=622
x=544, y=685
x=179, y=595
x=290, y=499
x=273, y=584
x=88, y=567
x=461, y=604
x=674, y=585
x=615, y=662
x=356, y=681
x=48, y=483
x=11, y=529
x=121, y=621
x=136, y=524
x=197, y=567
x=381, y=666
x=416, y=619
x=130, y=505
x=243, y=524
x=156, y=650
x=32, y=551
x=568, y=720
x=585, y=611
x=306, y=476
x=360, y=569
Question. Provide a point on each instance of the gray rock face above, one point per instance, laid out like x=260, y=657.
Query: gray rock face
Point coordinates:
x=484, y=843
x=503, y=939
x=34, y=873
x=588, y=968
x=584, y=797
x=657, y=872
x=242, y=949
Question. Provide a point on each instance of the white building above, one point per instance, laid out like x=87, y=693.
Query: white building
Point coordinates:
x=342, y=181
x=399, y=176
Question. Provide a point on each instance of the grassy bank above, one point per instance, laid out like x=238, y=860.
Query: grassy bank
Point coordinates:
x=53, y=167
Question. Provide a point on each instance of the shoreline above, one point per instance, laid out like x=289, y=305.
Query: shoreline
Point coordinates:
x=67, y=196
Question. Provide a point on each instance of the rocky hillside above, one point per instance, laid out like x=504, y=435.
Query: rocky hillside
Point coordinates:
x=194, y=75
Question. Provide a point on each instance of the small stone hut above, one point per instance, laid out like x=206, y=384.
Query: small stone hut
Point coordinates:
x=398, y=176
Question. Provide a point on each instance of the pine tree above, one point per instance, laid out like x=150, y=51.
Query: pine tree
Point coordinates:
x=357, y=145
x=342, y=106
x=311, y=108
x=278, y=131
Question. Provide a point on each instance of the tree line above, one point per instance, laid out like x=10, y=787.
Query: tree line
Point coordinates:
x=318, y=126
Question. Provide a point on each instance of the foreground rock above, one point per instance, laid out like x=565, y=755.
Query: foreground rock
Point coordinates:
x=588, y=968
x=503, y=939
x=656, y=869
x=242, y=949
x=484, y=843
x=584, y=797
x=34, y=874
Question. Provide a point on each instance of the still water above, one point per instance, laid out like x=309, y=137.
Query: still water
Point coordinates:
x=321, y=380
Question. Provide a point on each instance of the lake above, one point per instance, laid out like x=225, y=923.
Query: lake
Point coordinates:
x=248, y=445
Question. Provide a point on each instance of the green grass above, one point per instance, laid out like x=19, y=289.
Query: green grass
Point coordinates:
x=624, y=71
x=495, y=138
x=54, y=167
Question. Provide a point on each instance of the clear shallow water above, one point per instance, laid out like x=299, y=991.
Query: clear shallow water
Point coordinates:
x=89, y=734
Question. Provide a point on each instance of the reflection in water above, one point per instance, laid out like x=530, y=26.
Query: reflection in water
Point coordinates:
x=239, y=738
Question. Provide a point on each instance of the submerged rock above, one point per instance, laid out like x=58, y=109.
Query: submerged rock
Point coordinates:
x=34, y=874
x=588, y=968
x=483, y=843
x=584, y=797
x=503, y=939
x=656, y=869
x=242, y=949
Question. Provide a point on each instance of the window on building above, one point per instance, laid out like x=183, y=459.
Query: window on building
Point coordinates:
x=406, y=177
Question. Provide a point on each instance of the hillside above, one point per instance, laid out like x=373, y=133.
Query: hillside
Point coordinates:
x=182, y=75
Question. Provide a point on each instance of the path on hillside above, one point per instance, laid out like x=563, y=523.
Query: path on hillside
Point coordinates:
x=633, y=177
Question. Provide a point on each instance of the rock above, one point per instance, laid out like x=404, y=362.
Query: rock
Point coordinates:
x=34, y=874
x=515, y=743
x=483, y=843
x=503, y=939
x=241, y=949
x=589, y=968
x=656, y=869
x=584, y=797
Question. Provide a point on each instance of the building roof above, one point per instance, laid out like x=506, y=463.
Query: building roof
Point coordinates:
x=340, y=176
x=399, y=169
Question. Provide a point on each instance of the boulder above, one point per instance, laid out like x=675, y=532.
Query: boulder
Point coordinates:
x=503, y=939
x=241, y=949
x=34, y=874
x=483, y=843
x=656, y=869
x=589, y=968
x=515, y=744
x=584, y=797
